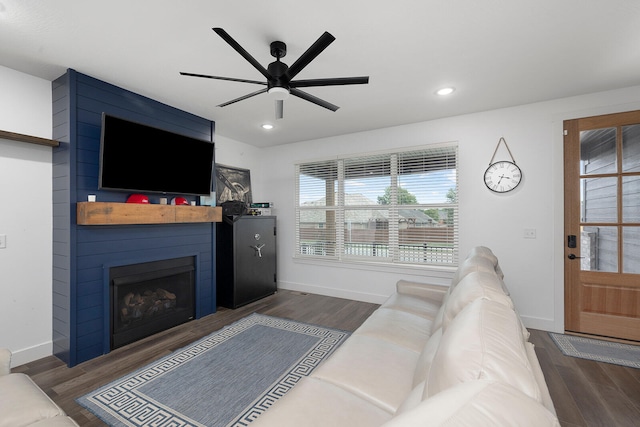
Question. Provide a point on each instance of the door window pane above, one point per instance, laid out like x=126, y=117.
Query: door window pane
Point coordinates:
x=631, y=249
x=598, y=151
x=631, y=199
x=599, y=249
x=599, y=199
x=631, y=148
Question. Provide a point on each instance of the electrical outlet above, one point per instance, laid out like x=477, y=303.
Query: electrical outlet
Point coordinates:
x=529, y=233
x=3, y=241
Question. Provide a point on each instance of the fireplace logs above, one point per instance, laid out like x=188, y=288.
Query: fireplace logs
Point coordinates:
x=139, y=306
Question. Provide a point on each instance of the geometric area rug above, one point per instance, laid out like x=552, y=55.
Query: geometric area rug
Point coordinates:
x=225, y=379
x=598, y=350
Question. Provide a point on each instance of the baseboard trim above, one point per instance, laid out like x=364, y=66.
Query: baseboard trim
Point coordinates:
x=332, y=292
x=26, y=355
x=539, y=323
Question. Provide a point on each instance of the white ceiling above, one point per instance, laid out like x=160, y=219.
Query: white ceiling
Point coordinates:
x=496, y=53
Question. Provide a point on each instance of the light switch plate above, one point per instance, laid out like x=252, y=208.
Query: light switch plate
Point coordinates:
x=3, y=241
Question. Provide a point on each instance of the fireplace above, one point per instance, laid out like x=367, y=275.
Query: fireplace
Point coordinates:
x=150, y=297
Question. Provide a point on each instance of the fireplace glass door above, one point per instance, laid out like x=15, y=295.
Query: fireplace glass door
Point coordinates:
x=150, y=297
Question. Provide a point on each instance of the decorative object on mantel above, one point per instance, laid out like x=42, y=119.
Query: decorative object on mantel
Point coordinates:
x=227, y=378
x=28, y=138
x=502, y=176
x=179, y=201
x=138, y=198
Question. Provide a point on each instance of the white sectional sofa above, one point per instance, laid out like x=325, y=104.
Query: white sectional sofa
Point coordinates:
x=429, y=356
x=23, y=403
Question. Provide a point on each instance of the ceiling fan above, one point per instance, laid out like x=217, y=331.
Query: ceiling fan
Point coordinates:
x=280, y=83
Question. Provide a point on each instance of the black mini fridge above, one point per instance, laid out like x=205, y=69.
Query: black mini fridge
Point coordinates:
x=246, y=260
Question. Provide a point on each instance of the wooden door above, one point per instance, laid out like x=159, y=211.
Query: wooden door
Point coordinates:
x=602, y=225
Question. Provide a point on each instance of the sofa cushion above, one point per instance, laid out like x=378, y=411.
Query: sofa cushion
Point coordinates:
x=483, y=251
x=314, y=402
x=374, y=369
x=469, y=265
x=483, y=341
x=478, y=284
x=399, y=327
x=479, y=403
x=413, y=399
x=426, y=357
x=23, y=403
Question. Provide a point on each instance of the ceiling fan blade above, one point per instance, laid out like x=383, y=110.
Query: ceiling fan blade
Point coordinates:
x=231, y=79
x=234, y=44
x=313, y=99
x=331, y=82
x=279, y=109
x=258, y=92
x=321, y=44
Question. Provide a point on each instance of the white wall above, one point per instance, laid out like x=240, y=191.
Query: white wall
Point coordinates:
x=533, y=267
x=25, y=218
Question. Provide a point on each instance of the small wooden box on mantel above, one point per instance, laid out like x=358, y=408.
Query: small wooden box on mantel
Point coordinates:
x=111, y=213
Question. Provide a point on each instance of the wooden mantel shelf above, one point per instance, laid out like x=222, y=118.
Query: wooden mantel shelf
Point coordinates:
x=110, y=213
x=28, y=138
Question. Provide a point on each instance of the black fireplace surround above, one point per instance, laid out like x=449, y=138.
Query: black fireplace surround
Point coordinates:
x=150, y=297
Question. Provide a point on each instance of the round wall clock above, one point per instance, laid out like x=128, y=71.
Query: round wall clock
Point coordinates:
x=502, y=176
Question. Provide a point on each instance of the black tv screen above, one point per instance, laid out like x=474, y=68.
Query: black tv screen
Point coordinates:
x=140, y=158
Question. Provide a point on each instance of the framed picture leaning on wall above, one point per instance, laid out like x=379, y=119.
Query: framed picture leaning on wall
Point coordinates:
x=232, y=184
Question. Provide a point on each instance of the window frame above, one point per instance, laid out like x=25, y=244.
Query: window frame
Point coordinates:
x=336, y=208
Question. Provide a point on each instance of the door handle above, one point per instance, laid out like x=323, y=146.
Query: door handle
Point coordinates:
x=258, y=250
x=572, y=256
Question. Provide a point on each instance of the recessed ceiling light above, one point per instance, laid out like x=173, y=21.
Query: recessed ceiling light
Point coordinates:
x=267, y=126
x=445, y=91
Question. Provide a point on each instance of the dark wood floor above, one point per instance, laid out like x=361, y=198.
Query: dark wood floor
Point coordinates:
x=585, y=393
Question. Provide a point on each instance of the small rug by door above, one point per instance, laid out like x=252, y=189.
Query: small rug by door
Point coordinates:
x=225, y=379
x=598, y=350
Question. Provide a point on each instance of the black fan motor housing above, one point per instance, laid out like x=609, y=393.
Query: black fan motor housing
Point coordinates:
x=278, y=49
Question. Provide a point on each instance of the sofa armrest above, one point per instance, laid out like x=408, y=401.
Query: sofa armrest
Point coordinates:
x=5, y=361
x=422, y=290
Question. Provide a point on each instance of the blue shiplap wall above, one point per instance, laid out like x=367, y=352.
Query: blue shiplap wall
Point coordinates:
x=82, y=255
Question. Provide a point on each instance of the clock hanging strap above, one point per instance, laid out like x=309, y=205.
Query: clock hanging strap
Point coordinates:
x=496, y=150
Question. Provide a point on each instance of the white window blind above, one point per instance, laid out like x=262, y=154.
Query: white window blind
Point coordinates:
x=396, y=208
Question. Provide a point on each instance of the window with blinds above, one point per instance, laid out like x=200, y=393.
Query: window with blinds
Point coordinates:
x=394, y=207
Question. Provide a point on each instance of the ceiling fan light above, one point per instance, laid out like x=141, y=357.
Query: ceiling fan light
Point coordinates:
x=267, y=126
x=278, y=93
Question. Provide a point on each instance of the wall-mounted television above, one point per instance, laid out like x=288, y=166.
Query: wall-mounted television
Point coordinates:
x=140, y=158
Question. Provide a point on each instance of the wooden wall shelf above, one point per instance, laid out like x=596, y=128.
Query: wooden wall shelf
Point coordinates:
x=28, y=138
x=110, y=213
